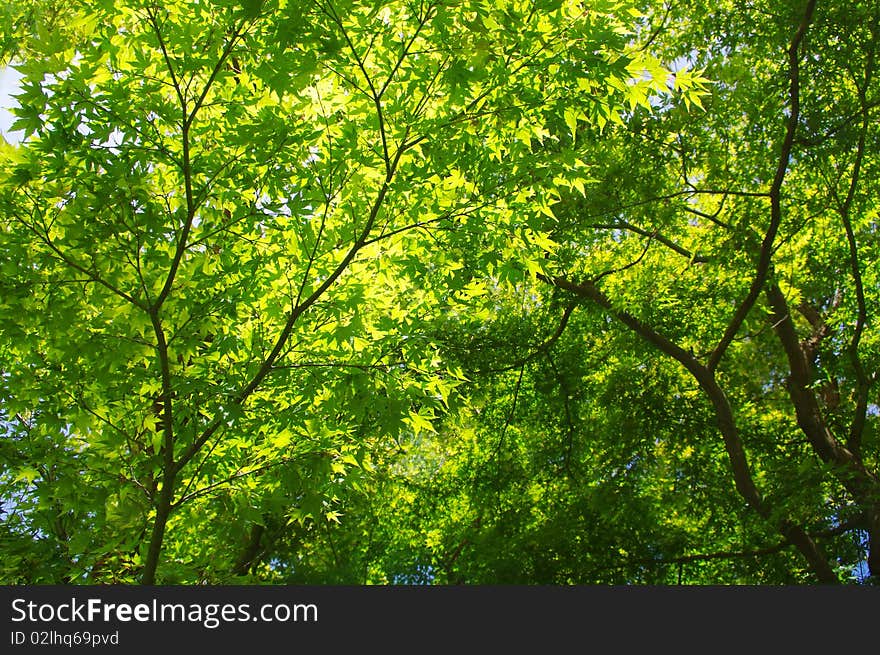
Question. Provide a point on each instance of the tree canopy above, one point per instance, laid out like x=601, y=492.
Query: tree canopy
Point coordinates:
x=440, y=291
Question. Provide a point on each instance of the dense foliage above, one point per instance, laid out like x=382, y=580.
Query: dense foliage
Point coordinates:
x=440, y=291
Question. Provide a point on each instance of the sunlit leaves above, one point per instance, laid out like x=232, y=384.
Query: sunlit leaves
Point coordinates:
x=232, y=234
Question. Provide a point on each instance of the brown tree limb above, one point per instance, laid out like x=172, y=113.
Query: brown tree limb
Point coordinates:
x=724, y=416
x=655, y=235
x=861, y=483
x=766, y=252
x=860, y=414
x=169, y=472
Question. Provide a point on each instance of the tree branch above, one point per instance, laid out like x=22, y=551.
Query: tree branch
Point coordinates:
x=766, y=251
x=860, y=413
x=169, y=471
x=94, y=277
x=742, y=475
x=655, y=235
x=542, y=348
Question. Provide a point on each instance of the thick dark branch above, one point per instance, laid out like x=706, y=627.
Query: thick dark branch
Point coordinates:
x=742, y=475
x=167, y=393
x=703, y=376
x=169, y=466
x=820, y=329
x=766, y=253
x=861, y=483
x=169, y=471
x=813, y=317
x=858, y=480
x=588, y=290
x=857, y=427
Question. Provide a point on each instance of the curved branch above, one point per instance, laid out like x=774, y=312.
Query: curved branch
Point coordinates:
x=655, y=235
x=860, y=414
x=733, y=444
x=542, y=348
x=629, y=265
x=91, y=275
x=775, y=193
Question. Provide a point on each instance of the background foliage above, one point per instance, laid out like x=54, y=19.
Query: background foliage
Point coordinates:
x=440, y=291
